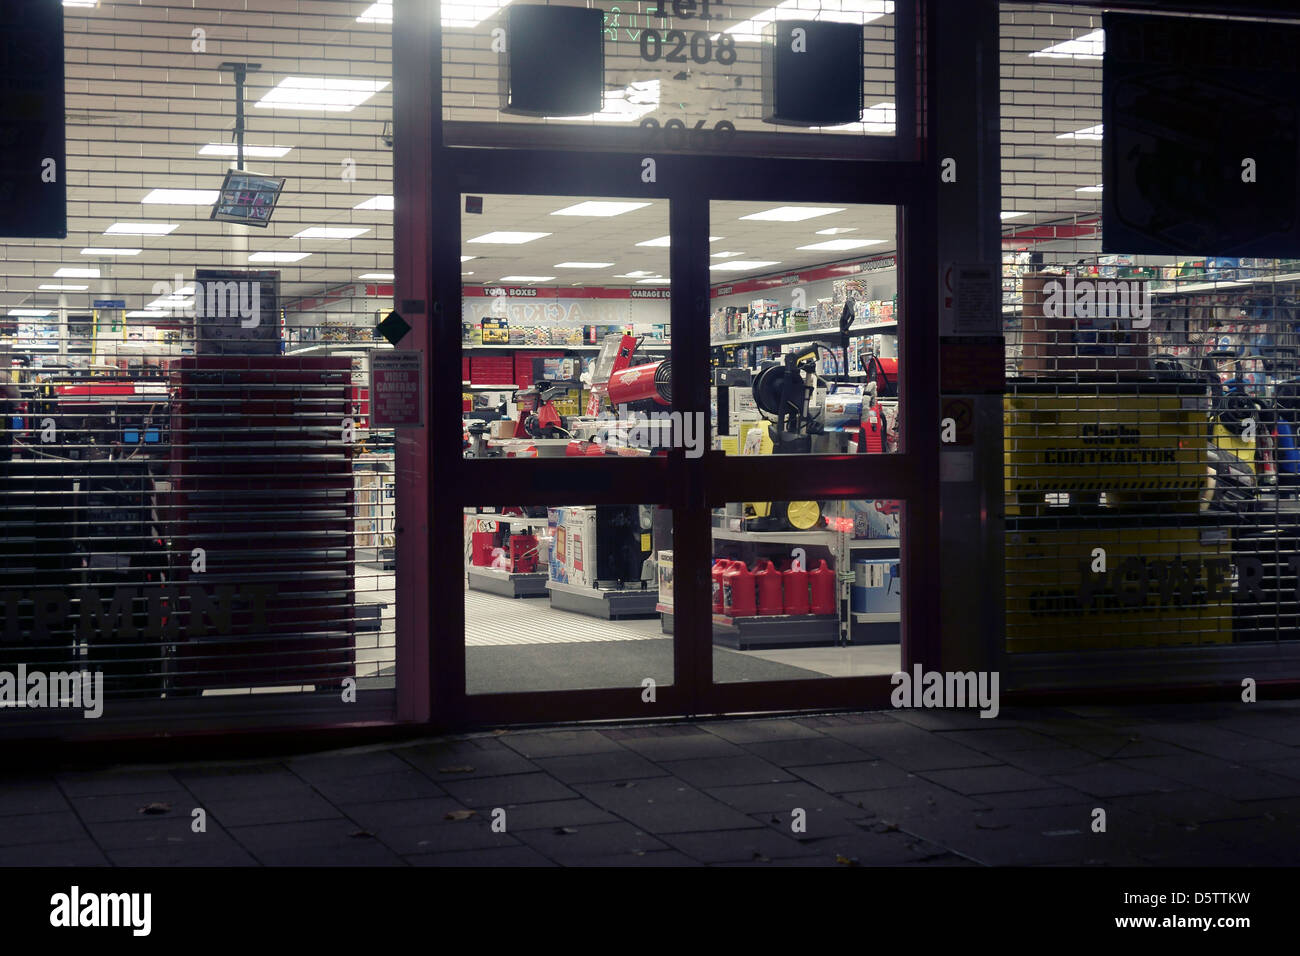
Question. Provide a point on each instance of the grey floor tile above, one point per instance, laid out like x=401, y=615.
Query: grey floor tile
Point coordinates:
x=407, y=784
x=251, y=811
x=1000, y=740
x=504, y=856
x=400, y=813
x=910, y=747
x=556, y=813
x=682, y=747
x=725, y=771
x=665, y=805
x=242, y=782
x=1024, y=799
x=1110, y=780
x=287, y=836
x=1187, y=807
x=1205, y=738
x=224, y=853
x=170, y=829
x=1056, y=760
x=864, y=775
x=97, y=783
x=516, y=788
x=30, y=796
x=754, y=731
x=977, y=780
x=28, y=828
x=465, y=761
x=800, y=753
x=736, y=846
x=130, y=806
x=637, y=860
x=781, y=798
x=445, y=836
x=370, y=853
x=344, y=764
x=81, y=852
x=560, y=743
x=1219, y=776
x=608, y=765
x=942, y=719
x=920, y=800
x=612, y=840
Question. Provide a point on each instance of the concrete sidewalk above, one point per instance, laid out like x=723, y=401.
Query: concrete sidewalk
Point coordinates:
x=1181, y=785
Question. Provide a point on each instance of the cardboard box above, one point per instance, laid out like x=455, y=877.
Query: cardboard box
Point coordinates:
x=573, y=555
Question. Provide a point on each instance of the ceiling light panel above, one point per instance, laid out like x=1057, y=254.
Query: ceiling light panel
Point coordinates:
x=330, y=232
x=141, y=228
x=1089, y=46
x=105, y=251
x=583, y=265
x=250, y=152
x=62, y=288
x=70, y=272
x=742, y=265
x=509, y=238
x=793, y=213
x=527, y=278
x=600, y=208
x=278, y=256
x=376, y=202
x=182, y=197
x=329, y=94
x=378, y=276
x=838, y=11
x=841, y=245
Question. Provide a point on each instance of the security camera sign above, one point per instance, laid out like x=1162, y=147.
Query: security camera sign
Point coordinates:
x=395, y=379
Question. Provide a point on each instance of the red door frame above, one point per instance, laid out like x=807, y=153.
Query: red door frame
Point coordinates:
x=434, y=482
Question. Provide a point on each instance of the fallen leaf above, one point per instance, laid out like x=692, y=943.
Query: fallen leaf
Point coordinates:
x=460, y=814
x=155, y=808
x=464, y=768
x=360, y=834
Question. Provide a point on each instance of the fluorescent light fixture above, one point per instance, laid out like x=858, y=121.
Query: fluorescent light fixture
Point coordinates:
x=328, y=94
x=467, y=258
x=838, y=11
x=30, y=313
x=836, y=230
x=383, y=276
x=250, y=152
x=725, y=255
x=879, y=118
x=742, y=265
x=509, y=238
x=467, y=273
x=793, y=213
x=599, y=208
x=182, y=197
x=527, y=278
x=141, y=228
x=1013, y=215
x=583, y=265
x=147, y=314
x=70, y=272
x=839, y=245
x=455, y=13
x=639, y=274
x=654, y=281
x=376, y=202
x=97, y=251
x=666, y=240
x=1089, y=46
x=1088, y=132
x=1089, y=189
x=62, y=288
x=623, y=106
x=278, y=256
x=330, y=232
x=81, y=3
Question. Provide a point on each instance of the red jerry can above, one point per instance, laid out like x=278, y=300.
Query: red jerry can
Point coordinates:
x=821, y=581
x=523, y=553
x=796, y=590
x=720, y=566
x=738, y=591
x=483, y=543
x=768, y=579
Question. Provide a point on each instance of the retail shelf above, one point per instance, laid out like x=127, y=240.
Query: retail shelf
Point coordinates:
x=777, y=537
x=831, y=331
x=886, y=617
x=333, y=347
x=644, y=346
x=878, y=544
x=609, y=605
x=507, y=583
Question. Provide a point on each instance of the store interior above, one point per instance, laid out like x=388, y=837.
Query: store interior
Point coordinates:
x=565, y=338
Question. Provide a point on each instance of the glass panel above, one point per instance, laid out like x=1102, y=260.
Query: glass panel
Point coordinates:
x=568, y=598
x=565, y=327
x=804, y=328
x=688, y=73
x=193, y=502
x=806, y=589
x=1152, y=401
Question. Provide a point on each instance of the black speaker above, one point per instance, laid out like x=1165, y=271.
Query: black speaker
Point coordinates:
x=33, y=173
x=812, y=73
x=553, y=63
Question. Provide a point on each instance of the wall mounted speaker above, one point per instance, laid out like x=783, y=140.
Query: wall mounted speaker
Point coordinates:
x=812, y=73
x=553, y=63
